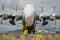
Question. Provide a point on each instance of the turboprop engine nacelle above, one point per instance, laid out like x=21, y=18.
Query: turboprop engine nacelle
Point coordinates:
x=52, y=17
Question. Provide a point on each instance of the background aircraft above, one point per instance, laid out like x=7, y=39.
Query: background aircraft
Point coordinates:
x=34, y=17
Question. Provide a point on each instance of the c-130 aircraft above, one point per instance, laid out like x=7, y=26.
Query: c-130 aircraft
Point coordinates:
x=29, y=18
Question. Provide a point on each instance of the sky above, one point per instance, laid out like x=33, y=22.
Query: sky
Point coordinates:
x=10, y=5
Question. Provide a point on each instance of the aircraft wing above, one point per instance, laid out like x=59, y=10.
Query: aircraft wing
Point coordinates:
x=12, y=16
x=45, y=18
x=57, y=16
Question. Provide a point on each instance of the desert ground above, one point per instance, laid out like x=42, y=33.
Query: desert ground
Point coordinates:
x=14, y=36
